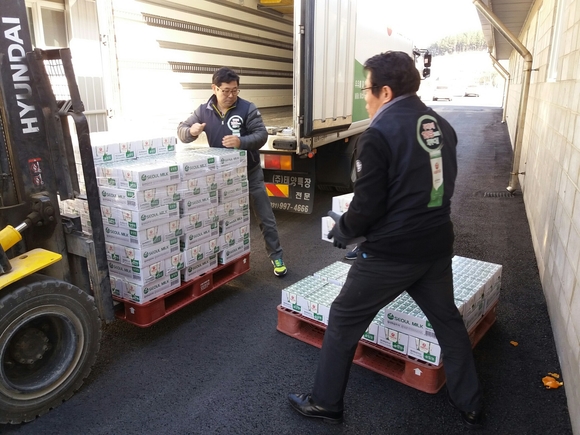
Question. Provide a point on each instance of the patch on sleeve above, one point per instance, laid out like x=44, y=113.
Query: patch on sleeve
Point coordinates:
x=358, y=164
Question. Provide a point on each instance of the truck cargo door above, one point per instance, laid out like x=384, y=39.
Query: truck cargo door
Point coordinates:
x=327, y=67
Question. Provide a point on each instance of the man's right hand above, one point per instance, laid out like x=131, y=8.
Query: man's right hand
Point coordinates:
x=196, y=129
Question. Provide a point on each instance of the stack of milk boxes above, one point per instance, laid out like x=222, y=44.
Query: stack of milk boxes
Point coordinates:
x=401, y=326
x=167, y=217
x=214, y=210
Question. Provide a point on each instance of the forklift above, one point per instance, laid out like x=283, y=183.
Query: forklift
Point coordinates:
x=55, y=291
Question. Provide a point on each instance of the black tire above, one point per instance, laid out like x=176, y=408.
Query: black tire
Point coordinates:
x=50, y=335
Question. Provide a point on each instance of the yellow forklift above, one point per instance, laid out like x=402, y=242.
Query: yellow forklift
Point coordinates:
x=55, y=289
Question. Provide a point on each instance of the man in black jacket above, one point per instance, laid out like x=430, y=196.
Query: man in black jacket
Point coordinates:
x=232, y=122
x=406, y=167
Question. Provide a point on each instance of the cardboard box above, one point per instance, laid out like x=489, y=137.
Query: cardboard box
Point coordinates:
x=392, y=339
x=327, y=225
x=141, y=257
x=138, y=239
x=143, y=293
x=404, y=315
x=198, y=185
x=302, y=288
x=424, y=350
x=334, y=273
x=138, y=220
x=193, y=221
x=341, y=203
x=234, y=221
x=128, y=199
x=199, y=268
x=225, y=158
x=234, y=237
x=117, y=286
x=143, y=275
x=199, y=252
x=195, y=237
x=234, y=175
x=316, y=303
x=234, y=206
x=197, y=203
x=236, y=190
x=107, y=149
x=233, y=252
x=194, y=165
x=142, y=174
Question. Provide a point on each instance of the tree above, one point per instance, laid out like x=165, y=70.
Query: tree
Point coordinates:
x=462, y=42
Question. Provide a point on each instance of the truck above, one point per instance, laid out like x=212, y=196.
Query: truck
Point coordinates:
x=149, y=63
x=119, y=65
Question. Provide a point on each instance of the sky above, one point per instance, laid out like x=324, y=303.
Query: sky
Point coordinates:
x=426, y=21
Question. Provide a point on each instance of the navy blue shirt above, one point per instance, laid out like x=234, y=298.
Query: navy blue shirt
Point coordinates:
x=406, y=167
x=243, y=119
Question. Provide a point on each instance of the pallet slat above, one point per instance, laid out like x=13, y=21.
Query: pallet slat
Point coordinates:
x=144, y=315
x=407, y=370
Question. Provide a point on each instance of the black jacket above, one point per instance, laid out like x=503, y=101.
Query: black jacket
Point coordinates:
x=243, y=115
x=397, y=207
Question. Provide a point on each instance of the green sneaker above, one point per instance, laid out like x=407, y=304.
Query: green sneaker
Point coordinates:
x=279, y=267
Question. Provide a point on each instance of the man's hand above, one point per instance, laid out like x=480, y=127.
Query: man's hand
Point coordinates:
x=231, y=141
x=196, y=129
x=340, y=240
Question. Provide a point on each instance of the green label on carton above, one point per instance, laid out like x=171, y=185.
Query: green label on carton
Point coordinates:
x=399, y=347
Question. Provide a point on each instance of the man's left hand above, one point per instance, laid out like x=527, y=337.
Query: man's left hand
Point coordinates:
x=339, y=239
x=231, y=141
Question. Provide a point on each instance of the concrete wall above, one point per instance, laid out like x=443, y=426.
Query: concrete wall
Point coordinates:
x=551, y=162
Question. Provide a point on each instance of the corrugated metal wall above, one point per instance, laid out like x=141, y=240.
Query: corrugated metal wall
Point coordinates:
x=167, y=51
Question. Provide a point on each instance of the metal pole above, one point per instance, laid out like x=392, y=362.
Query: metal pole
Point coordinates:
x=506, y=85
x=523, y=51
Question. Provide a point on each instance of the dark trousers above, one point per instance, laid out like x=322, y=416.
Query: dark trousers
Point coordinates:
x=262, y=208
x=370, y=285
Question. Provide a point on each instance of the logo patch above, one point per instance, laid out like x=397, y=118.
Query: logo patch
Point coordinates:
x=429, y=134
x=235, y=123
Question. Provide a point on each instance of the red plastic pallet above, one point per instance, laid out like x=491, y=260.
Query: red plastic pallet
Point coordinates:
x=409, y=371
x=151, y=312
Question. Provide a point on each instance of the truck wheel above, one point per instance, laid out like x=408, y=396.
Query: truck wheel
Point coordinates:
x=50, y=335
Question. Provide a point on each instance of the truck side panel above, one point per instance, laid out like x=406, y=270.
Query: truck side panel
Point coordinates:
x=167, y=51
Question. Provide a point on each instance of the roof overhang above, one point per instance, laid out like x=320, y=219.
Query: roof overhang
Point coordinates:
x=513, y=15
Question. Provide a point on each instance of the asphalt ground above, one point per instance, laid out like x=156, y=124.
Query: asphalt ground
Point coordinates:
x=219, y=366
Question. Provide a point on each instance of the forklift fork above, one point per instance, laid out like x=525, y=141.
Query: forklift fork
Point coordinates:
x=60, y=100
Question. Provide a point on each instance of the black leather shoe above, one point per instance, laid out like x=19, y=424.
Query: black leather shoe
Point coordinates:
x=304, y=405
x=471, y=419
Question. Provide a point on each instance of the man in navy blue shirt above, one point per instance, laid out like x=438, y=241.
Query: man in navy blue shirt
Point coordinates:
x=232, y=122
x=406, y=169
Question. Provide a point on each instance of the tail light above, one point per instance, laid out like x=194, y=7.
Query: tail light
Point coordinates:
x=280, y=162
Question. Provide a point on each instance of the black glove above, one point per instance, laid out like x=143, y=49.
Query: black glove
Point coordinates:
x=340, y=240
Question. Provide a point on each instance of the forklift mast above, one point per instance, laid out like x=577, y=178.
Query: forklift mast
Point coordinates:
x=38, y=97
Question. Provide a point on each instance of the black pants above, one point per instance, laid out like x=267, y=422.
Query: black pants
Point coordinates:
x=371, y=284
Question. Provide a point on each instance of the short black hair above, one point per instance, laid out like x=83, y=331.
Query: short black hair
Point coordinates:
x=395, y=69
x=225, y=75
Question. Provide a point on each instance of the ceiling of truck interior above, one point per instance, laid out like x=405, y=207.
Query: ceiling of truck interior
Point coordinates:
x=284, y=7
x=513, y=14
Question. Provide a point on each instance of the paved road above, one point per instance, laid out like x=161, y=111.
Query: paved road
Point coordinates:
x=219, y=366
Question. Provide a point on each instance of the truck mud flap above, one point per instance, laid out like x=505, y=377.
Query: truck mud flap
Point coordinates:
x=292, y=190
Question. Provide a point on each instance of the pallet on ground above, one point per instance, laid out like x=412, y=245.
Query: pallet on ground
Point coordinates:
x=147, y=314
x=407, y=370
